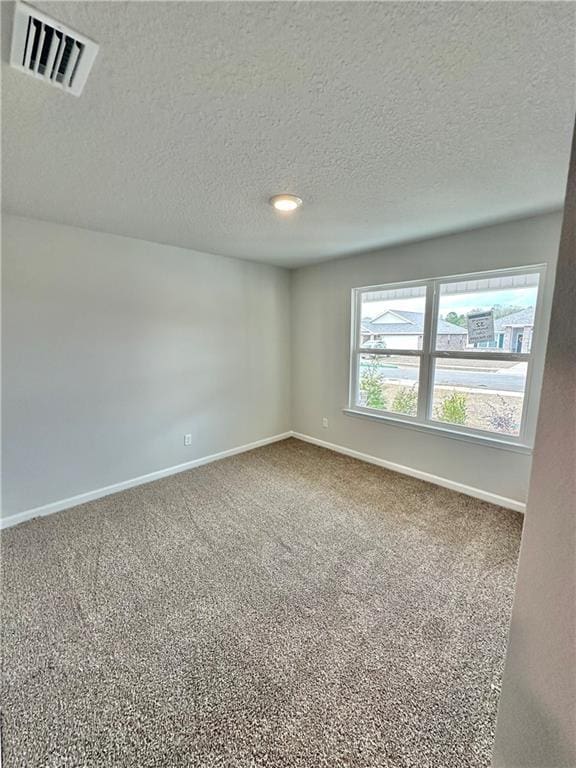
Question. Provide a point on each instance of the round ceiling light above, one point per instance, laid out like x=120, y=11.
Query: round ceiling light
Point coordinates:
x=285, y=203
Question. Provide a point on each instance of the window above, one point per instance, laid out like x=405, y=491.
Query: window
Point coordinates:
x=453, y=353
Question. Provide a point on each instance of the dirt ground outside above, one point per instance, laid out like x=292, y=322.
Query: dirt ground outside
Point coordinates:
x=499, y=412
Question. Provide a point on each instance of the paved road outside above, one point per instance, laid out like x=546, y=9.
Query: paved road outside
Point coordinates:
x=505, y=380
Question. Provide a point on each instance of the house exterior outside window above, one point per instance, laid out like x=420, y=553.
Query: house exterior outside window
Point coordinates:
x=413, y=359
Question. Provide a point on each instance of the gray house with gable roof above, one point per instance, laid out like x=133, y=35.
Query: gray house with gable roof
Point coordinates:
x=514, y=332
x=400, y=329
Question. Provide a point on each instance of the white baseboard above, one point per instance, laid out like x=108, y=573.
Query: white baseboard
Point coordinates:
x=477, y=493
x=73, y=501
x=82, y=498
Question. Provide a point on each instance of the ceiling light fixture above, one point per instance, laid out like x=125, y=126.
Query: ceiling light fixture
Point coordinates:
x=285, y=203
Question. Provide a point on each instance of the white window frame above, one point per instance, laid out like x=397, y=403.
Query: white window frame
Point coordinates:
x=428, y=355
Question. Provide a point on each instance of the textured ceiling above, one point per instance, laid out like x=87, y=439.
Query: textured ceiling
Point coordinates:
x=392, y=121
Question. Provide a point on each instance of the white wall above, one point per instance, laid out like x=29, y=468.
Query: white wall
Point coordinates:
x=537, y=719
x=113, y=348
x=321, y=341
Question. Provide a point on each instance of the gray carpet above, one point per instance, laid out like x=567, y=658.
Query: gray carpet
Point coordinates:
x=285, y=607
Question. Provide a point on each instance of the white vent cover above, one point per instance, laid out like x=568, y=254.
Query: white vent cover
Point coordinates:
x=49, y=51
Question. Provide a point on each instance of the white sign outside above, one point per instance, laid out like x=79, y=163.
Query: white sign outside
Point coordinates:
x=480, y=326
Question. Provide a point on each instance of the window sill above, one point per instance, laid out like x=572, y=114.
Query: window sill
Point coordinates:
x=453, y=434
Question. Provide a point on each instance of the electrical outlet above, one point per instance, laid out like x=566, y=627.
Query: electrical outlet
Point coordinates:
x=187, y=439
x=325, y=422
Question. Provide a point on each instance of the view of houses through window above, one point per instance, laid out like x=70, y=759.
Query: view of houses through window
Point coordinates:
x=453, y=350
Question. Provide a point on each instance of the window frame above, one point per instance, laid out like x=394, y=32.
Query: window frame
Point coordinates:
x=428, y=356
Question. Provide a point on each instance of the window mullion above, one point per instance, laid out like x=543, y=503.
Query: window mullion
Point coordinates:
x=389, y=352
x=354, y=347
x=469, y=354
x=426, y=358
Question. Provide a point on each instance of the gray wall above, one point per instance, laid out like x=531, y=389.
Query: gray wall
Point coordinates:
x=321, y=339
x=537, y=720
x=114, y=348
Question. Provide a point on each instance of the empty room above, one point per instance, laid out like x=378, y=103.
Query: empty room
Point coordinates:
x=288, y=384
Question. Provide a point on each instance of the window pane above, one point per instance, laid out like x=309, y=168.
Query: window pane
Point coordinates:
x=392, y=318
x=504, y=309
x=388, y=383
x=480, y=394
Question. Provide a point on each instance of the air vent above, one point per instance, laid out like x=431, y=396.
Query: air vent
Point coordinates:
x=49, y=51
